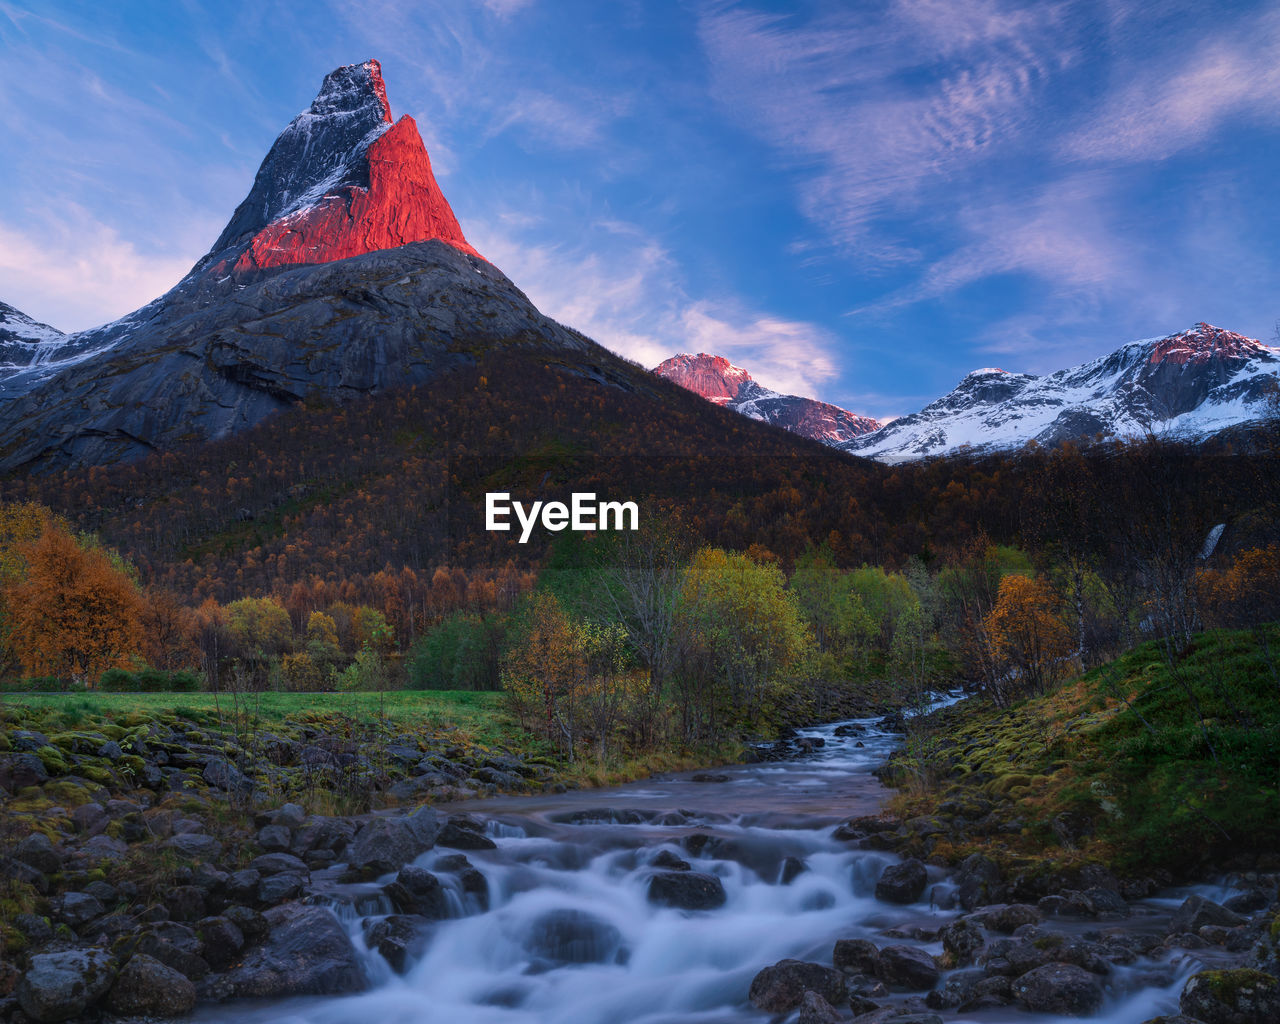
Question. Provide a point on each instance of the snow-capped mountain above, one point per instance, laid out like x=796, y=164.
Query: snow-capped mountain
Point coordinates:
x=718, y=380
x=1187, y=386
x=343, y=272
x=24, y=341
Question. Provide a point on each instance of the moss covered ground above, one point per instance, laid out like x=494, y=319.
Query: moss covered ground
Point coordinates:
x=1153, y=762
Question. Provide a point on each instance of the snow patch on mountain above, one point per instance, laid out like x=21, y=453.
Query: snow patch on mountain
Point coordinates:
x=1186, y=386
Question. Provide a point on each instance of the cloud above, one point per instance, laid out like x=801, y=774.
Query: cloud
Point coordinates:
x=1170, y=105
x=505, y=8
x=76, y=272
x=620, y=287
x=872, y=110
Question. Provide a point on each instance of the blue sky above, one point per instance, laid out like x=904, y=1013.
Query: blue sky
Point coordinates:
x=858, y=201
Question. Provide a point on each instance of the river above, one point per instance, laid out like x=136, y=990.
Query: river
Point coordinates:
x=570, y=937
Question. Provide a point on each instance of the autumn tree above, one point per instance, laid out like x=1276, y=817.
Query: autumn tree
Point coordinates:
x=542, y=671
x=738, y=614
x=73, y=613
x=1027, y=635
x=259, y=630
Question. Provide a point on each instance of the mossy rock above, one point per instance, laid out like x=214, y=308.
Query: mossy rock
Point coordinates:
x=132, y=764
x=1003, y=785
x=5, y=744
x=53, y=761
x=112, y=731
x=98, y=774
x=68, y=792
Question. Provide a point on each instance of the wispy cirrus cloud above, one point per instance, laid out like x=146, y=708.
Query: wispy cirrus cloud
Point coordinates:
x=1165, y=106
x=873, y=109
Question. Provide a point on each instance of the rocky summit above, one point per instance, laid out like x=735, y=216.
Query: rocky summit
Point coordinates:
x=344, y=272
x=719, y=381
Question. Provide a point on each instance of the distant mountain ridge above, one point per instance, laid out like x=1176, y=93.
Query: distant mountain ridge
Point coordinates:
x=1187, y=386
x=718, y=380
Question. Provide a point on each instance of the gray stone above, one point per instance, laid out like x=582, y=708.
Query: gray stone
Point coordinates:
x=194, y=845
x=278, y=863
x=781, y=987
x=1196, y=912
x=687, y=890
x=59, y=986
x=573, y=937
x=962, y=940
x=816, y=1010
x=146, y=987
x=1059, y=988
x=1242, y=996
x=275, y=838
x=307, y=952
x=100, y=848
x=38, y=852
x=79, y=908
x=902, y=883
x=907, y=967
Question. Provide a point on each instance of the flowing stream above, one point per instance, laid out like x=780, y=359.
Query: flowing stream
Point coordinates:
x=570, y=938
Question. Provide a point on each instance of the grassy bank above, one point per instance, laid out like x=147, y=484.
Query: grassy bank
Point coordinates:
x=480, y=714
x=1147, y=763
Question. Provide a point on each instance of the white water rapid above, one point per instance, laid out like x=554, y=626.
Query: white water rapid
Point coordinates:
x=570, y=938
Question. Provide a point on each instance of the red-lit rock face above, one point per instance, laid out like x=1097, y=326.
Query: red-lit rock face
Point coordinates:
x=341, y=180
x=1202, y=343
x=402, y=204
x=718, y=380
x=712, y=377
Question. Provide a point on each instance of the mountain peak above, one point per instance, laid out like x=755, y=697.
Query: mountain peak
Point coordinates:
x=719, y=381
x=713, y=377
x=351, y=89
x=342, y=179
x=1201, y=344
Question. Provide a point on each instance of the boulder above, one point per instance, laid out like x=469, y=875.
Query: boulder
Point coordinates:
x=962, y=940
x=146, y=987
x=58, y=986
x=222, y=940
x=902, y=883
x=1241, y=996
x=781, y=987
x=306, y=952
x=464, y=834
x=278, y=864
x=1009, y=918
x=1059, y=988
x=275, y=838
x=195, y=845
x=857, y=956
x=687, y=890
x=417, y=891
x=222, y=774
x=382, y=845
x=1196, y=912
x=907, y=967
x=290, y=816
x=978, y=882
x=400, y=938
x=958, y=988
x=38, y=852
x=79, y=908
x=573, y=937
x=816, y=1010
x=100, y=848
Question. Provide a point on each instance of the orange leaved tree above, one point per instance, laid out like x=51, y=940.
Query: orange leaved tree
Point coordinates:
x=1028, y=635
x=74, y=614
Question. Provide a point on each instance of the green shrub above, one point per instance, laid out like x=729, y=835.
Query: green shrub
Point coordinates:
x=118, y=680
